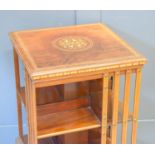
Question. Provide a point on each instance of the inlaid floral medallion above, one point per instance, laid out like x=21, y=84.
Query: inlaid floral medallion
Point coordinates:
x=73, y=43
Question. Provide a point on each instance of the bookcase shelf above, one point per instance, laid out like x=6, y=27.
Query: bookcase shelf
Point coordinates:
x=67, y=122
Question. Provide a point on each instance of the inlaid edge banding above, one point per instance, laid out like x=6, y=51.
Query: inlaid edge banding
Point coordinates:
x=88, y=70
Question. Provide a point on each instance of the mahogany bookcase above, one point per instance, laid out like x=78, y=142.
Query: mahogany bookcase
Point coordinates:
x=72, y=84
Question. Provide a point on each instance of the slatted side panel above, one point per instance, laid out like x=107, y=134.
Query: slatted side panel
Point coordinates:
x=115, y=107
x=31, y=109
x=104, y=109
x=126, y=106
x=136, y=105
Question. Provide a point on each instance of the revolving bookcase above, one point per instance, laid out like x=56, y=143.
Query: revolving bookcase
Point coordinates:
x=72, y=84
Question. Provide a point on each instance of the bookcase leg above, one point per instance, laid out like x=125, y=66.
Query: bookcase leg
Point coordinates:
x=19, y=104
x=104, y=109
x=30, y=91
x=115, y=107
x=126, y=106
x=136, y=105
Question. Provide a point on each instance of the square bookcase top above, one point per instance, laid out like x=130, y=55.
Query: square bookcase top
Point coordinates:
x=52, y=51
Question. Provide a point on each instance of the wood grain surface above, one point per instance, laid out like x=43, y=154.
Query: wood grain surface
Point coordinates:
x=42, y=59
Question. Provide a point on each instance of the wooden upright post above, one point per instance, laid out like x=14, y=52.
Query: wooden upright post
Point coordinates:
x=31, y=109
x=19, y=104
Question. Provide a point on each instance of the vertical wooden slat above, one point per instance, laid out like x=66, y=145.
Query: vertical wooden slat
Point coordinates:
x=115, y=107
x=136, y=105
x=110, y=85
x=19, y=104
x=126, y=106
x=30, y=91
x=104, y=109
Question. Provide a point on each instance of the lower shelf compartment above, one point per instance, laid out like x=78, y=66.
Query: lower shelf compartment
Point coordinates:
x=58, y=117
x=67, y=122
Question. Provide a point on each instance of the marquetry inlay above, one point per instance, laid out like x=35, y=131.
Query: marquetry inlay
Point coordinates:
x=73, y=43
